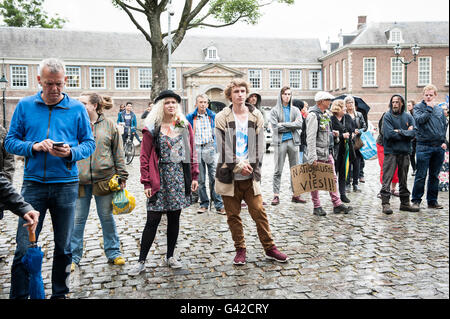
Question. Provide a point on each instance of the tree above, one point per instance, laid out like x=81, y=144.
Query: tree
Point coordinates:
x=205, y=13
x=28, y=13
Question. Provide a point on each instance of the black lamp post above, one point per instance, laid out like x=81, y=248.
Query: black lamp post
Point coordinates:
x=3, y=84
x=415, y=52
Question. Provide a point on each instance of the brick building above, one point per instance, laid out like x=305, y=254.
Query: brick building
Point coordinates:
x=119, y=64
x=363, y=62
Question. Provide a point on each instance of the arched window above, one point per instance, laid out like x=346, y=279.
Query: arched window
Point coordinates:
x=211, y=54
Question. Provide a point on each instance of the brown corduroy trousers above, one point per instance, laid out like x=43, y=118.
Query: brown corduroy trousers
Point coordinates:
x=243, y=190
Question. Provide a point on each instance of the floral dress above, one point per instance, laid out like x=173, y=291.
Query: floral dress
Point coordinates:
x=171, y=195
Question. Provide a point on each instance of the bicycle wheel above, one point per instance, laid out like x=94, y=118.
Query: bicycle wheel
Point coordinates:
x=129, y=152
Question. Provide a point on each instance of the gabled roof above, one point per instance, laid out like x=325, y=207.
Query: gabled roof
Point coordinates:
x=214, y=69
x=422, y=33
x=36, y=43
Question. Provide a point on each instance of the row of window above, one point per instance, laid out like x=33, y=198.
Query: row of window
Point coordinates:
x=97, y=77
x=370, y=73
x=276, y=82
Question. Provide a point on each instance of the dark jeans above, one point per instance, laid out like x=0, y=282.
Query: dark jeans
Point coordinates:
x=390, y=164
x=339, y=167
x=429, y=160
x=133, y=135
x=60, y=200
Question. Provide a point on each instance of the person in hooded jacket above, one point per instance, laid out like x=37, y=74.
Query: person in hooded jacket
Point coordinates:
x=286, y=124
x=398, y=132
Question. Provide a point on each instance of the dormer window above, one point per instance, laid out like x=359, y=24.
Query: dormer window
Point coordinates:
x=395, y=36
x=211, y=54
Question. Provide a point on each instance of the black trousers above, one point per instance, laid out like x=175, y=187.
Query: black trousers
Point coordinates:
x=391, y=162
x=151, y=226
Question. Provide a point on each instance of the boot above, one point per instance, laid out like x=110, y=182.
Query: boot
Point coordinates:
x=387, y=209
x=406, y=206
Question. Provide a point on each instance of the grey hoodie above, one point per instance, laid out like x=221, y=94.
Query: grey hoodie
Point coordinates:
x=317, y=135
x=281, y=125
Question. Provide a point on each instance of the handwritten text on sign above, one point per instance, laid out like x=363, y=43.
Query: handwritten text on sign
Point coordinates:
x=309, y=177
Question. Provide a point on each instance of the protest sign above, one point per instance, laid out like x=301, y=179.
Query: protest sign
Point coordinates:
x=311, y=177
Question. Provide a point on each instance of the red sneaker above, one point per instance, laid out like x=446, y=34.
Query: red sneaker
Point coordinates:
x=240, y=256
x=275, y=254
x=298, y=199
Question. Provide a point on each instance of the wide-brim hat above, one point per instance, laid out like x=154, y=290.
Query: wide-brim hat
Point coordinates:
x=168, y=93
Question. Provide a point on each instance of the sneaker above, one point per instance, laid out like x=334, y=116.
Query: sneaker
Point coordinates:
x=221, y=211
x=362, y=180
x=275, y=201
x=416, y=205
x=202, y=210
x=356, y=189
x=119, y=261
x=319, y=211
x=239, y=259
x=298, y=199
x=435, y=206
x=275, y=254
x=387, y=209
x=345, y=199
x=408, y=207
x=342, y=209
x=140, y=267
x=173, y=263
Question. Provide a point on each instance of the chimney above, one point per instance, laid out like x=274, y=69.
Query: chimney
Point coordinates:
x=361, y=21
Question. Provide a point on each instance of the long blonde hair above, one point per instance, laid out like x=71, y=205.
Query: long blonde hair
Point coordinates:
x=156, y=115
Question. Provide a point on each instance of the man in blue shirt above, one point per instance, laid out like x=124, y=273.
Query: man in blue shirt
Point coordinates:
x=202, y=121
x=52, y=131
x=430, y=147
x=286, y=124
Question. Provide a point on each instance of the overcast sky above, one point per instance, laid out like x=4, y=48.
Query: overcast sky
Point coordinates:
x=321, y=19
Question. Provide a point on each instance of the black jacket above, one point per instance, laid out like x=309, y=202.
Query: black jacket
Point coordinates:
x=11, y=200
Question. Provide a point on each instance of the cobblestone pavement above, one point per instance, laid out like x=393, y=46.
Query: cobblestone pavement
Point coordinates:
x=365, y=254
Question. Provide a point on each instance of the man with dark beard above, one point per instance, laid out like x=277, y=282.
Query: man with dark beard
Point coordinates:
x=398, y=131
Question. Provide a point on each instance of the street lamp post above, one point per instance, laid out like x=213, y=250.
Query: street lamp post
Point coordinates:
x=170, y=12
x=415, y=52
x=3, y=85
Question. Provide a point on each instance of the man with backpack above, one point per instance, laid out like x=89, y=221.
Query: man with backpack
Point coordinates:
x=319, y=140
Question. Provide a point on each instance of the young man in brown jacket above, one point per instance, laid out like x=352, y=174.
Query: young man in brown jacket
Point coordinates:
x=240, y=143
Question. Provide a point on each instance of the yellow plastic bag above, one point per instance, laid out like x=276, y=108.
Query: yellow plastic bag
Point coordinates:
x=114, y=183
x=123, y=202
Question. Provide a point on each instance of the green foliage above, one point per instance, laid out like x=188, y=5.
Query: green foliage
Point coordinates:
x=28, y=13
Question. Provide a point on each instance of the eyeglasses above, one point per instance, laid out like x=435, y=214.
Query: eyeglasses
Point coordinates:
x=57, y=84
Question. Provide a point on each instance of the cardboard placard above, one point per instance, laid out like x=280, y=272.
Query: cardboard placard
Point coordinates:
x=309, y=177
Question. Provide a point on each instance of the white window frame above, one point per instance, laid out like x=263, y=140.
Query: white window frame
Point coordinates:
x=325, y=79
x=420, y=81
x=97, y=75
x=122, y=79
x=212, y=54
x=369, y=72
x=273, y=78
x=338, y=84
x=394, y=65
x=331, y=77
x=253, y=76
x=395, y=36
x=144, y=79
x=23, y=77
x=447, y=80
x=317, y=79
x=295, y=79
x=70, y=75
x=344, y=73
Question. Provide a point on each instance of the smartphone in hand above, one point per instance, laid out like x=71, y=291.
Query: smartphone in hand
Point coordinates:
x=57, y=144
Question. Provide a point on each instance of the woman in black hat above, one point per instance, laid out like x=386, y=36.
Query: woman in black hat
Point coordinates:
x=168, y=172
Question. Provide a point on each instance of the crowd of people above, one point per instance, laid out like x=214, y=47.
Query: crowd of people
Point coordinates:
x=72, y=159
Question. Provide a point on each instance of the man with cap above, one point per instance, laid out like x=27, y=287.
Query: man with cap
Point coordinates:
x=319, y=138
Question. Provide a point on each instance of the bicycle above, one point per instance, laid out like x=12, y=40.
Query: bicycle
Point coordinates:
x=128, y=148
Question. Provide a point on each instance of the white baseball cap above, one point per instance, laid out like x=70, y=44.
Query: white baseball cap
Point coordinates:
x=322, y=95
